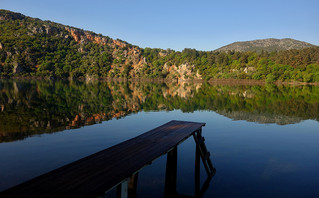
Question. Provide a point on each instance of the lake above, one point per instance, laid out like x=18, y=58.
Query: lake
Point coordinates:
x=263, y=139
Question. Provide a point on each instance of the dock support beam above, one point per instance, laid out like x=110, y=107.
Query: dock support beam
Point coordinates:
x=171, y=173
x=128, y=187
x=197, y=172
x=205, y=155
x=132, y=186
x=122, y=189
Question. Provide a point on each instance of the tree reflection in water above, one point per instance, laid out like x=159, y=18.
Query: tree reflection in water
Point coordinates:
x=29, y=107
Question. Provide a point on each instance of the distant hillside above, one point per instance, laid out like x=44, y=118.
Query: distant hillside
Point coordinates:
x=31, y=47
x=268, y=45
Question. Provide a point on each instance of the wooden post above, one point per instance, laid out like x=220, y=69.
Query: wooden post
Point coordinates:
x=197, y=171
x=171, y=173
x=132, y=186
x=122, y=189
x=199, y=139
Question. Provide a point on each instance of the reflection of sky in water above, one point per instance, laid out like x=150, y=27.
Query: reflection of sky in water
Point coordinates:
x=274, y=167
x=252, y=159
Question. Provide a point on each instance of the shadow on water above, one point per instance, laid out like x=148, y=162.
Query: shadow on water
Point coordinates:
x=128, y=188
x=29, y=107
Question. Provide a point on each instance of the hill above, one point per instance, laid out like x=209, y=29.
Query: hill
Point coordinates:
x=34, y=48
x=268, y=45
x=51, y=49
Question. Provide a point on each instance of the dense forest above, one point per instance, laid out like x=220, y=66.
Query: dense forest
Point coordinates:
x=291, y=65
x=35, y=48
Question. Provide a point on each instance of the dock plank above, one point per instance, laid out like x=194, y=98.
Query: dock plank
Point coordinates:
x=93, y=175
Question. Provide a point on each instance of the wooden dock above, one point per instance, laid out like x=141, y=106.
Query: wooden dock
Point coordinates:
x=93, y=175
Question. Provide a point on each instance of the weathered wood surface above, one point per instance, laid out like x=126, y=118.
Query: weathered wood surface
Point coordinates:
x=93, y=175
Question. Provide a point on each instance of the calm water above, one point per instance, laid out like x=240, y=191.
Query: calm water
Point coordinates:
x=263, y=139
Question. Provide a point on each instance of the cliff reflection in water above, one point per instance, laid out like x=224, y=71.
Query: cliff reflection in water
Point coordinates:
x=36, y=107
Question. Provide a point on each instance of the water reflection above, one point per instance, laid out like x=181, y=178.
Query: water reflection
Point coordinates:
x=36, y=107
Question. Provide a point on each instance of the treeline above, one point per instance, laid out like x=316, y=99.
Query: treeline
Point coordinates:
x=31, y=47
x=290, y=65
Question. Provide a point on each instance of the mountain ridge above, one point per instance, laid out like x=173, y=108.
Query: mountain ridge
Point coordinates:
x=269, y=45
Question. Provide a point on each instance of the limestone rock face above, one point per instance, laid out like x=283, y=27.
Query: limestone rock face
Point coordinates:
x=51, y=30
x=182, y=72
x=82, y=37
x=17, y=68
x=118, y=43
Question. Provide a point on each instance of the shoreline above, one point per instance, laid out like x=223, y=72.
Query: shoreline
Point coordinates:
x=163, y=80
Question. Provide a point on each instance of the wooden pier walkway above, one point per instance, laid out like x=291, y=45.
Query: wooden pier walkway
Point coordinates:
x=93, y=175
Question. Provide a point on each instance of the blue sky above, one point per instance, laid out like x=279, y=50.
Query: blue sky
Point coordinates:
x=179, y=24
